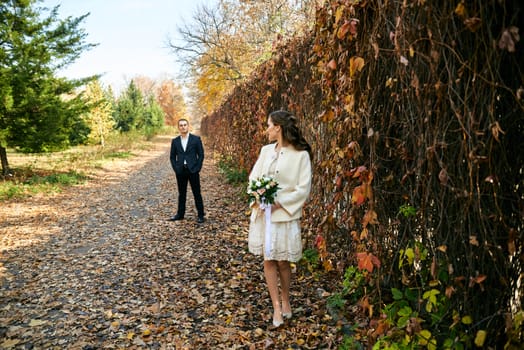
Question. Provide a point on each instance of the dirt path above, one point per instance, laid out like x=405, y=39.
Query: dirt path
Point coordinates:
x=99, y=267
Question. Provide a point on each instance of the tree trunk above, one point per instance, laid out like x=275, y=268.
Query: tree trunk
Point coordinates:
x=5, y=163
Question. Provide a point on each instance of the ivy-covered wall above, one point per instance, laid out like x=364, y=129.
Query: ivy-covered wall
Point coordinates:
x=415, y=112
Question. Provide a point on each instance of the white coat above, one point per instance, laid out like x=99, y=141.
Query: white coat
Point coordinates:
x=293, y=174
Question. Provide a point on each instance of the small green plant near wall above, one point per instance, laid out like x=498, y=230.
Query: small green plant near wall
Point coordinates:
x=353, y=284
x=230, y=170
x=421, y=311
x=349, y=342
x=353, y=288
x=407, y=210
x=336, y=301
x=310, y=259
x=422, y=315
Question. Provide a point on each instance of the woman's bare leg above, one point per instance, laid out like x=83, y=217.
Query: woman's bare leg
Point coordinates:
x=284, y=268
x=271, y=274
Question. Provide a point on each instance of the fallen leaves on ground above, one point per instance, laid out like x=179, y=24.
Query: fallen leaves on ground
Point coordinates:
x=99, y=266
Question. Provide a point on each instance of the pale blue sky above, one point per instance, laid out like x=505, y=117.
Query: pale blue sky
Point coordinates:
x=131, y=34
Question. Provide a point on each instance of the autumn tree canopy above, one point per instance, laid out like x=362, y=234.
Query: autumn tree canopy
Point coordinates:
x=171, y=100
x=224, y=44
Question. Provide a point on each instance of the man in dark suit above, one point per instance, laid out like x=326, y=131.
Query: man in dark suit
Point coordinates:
x=187, y=157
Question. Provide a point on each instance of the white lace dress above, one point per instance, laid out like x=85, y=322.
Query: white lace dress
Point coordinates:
x=286, y=240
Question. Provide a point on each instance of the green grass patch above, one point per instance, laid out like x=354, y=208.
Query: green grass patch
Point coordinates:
x=41, y=173
x=121, y=155
x=25, y=183
x=62, y=179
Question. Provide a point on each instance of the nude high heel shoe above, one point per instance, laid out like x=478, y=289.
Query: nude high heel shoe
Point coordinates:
x=277, y=324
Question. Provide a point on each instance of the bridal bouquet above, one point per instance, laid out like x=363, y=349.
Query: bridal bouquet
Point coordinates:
x=263, y=190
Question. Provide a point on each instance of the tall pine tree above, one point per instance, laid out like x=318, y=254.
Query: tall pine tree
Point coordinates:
x=38, y=111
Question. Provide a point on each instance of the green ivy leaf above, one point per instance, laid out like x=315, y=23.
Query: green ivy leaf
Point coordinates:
x=397, y=294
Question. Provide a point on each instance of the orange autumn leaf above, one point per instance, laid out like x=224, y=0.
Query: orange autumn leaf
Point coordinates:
x=381, y=328
x=332, y=64
x=339, y=13
x=327, y=116
x=365, y=305
x=480, y=278
x=370, y=218
x=442, y=248
x=359, y=195
x=338, y=182
x=367, y=261
x=343, y=30
x=364, y=234
x=460, y=10
x=328, y=266
x=355, y=65
x=496, y=130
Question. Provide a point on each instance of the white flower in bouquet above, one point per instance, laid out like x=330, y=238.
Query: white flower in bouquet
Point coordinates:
x=263, y=190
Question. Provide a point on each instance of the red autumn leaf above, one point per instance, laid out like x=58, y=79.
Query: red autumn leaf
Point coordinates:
x=319, y=241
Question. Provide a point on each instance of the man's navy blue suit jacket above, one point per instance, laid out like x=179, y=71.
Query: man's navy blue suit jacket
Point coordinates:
x=193, y=156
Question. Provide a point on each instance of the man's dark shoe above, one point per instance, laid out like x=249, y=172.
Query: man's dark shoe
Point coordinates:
x=201, y=220
x=176, y=218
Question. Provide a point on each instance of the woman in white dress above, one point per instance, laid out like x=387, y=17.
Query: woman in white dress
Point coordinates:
x=288, y=160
